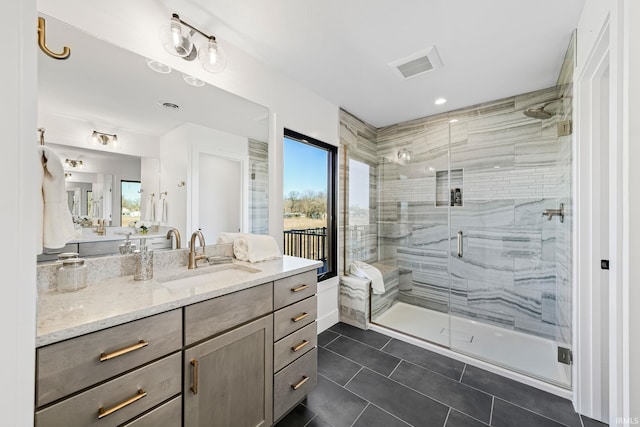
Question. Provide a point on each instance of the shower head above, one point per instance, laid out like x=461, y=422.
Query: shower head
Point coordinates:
x=540, y=113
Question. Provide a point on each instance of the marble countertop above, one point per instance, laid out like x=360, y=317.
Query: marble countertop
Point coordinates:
x=119, y=300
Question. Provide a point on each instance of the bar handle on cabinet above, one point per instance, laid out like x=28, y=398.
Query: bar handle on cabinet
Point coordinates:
x=460, y=244
x=104, y=412
x=300, y=383
x=123, y=351
x=194, y=378
x=300, y=317
x=300, y=346
x=299, y=288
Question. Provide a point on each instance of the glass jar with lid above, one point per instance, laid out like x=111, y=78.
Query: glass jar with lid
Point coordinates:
x=72, y=276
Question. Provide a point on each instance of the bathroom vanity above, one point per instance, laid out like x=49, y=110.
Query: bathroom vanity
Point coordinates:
x=223, y=346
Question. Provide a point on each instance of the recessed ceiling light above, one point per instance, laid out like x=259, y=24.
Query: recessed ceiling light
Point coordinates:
x=453, y=120
x=169, y=105
x=158, y=67
x=440, y=101
x=192, y=81
x=497, y=167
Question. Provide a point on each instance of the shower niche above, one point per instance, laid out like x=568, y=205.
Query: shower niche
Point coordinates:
x=450, y=189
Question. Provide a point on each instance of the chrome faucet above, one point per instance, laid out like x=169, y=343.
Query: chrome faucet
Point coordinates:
x=193, y=256
x=176, y=234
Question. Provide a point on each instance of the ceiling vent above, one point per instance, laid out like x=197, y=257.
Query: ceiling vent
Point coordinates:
x=417, y=63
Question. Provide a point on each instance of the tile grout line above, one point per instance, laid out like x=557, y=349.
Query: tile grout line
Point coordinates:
x=324, y=346
x=387, y=412
x=361, y=412
x=394, y=369
x=312, y=418
x=447, y=417
x=363, y=343
x=464, y=369
x=493, y=399
x=354, y=375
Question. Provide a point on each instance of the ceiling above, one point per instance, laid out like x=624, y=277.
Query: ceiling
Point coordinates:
x=341, y=49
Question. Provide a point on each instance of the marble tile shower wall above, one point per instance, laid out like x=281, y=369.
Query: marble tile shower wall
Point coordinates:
x=514, y=272
x=259, y=187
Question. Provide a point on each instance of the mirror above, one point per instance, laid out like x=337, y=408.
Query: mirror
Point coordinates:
x=162, y=122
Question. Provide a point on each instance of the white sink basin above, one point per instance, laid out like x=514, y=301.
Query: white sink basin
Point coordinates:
x=223, y=274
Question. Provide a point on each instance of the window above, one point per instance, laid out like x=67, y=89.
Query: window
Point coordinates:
x=310, y=201
x=129, y=202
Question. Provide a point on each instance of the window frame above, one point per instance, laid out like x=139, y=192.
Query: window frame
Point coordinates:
x=332, y=198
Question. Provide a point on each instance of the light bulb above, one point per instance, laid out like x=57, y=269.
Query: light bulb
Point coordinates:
x=173, y=38
x=176, y=34
x=212, y=56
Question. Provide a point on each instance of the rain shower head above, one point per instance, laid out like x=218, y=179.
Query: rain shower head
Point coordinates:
x=540, y=113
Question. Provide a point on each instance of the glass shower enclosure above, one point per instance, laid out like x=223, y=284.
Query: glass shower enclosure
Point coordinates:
x=468, y=222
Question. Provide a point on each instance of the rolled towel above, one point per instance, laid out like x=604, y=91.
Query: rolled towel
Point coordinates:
x=57, y=223
x=366, y=271
x=228, y=237
x=256, y=248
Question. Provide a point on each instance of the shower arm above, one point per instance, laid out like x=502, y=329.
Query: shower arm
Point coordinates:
x=550, y=213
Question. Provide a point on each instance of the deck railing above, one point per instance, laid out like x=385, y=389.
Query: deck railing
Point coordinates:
x=310, y=243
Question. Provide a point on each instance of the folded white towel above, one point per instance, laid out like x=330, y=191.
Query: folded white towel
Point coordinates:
x=228, y=237
x=256, y=248
x=57, y=223
x=366, y=271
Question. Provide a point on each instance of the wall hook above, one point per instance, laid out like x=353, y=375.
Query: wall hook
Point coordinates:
x=42, y=42
x=181, y=184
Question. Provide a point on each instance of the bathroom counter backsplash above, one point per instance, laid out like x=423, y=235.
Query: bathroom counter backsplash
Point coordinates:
x=113, y=297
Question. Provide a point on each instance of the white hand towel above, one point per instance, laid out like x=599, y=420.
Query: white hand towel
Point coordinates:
x=150, y=211
x=57, y=223
x=366, y=271
x=228, y=237
x=256, y=248
x=162, y=211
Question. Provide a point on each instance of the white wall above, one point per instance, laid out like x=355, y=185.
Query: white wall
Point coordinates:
x=18, y=216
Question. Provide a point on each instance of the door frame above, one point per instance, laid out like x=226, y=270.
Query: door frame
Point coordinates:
x=590, y=242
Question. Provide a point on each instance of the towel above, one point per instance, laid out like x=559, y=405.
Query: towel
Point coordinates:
x=57, y=223
x=162, y=211
x=150, y=211
x=366, y=271
x=256, y=248
x=228, y=237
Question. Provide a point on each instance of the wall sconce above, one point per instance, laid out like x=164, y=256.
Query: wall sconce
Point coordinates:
x=104, y=138
x=404, y=155
x=74, y=163
x=177, y=39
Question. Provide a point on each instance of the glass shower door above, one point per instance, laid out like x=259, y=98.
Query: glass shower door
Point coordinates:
x=502, y=253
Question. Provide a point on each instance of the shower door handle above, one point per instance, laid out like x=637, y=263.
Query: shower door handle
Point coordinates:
x=459, y=244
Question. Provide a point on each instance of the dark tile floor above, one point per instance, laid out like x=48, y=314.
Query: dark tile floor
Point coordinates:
x=367, y=379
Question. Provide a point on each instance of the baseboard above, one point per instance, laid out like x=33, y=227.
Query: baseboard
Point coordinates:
x=328, y=320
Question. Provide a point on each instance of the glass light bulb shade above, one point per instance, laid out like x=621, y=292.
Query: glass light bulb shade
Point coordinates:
x=212, y=56
x=175, y=38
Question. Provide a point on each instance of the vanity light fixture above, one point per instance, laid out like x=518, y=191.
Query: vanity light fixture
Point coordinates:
x=177, y=38
x=101, y=138
x=67, y=175
x=74, y=163
x=404, y=155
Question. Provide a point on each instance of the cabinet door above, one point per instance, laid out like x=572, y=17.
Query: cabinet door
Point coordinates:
x=229, y=379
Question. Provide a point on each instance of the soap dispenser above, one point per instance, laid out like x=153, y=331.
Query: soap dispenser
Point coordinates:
x=143, y=262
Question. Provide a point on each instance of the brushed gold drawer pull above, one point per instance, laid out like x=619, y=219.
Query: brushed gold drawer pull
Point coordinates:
x=194, y=379
x=300, y=346
x=104, y=412
x=300, y=317
x=300, y=383
x=139, y=345
x=299, y=288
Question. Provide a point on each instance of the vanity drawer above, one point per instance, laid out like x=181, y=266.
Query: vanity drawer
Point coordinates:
x=208, y=318
x=295, y=288
x=151, y=385
x=294, y=317
x=69, y=366
x=293, y=383
x=167, y=415
x=295, y=345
